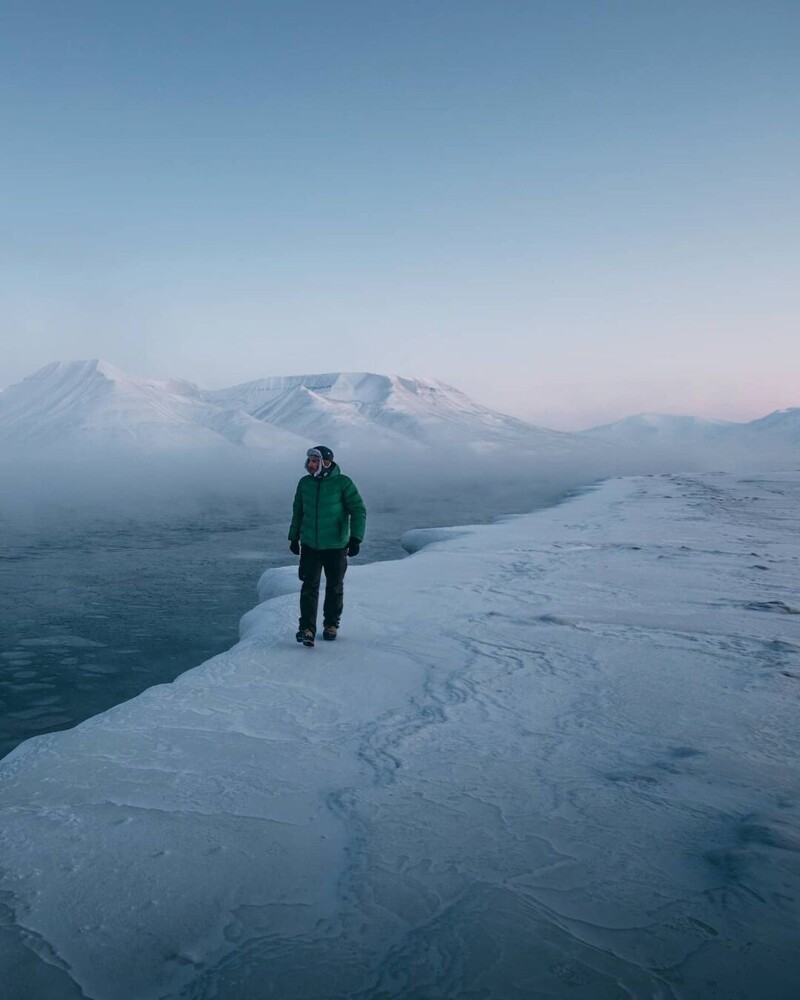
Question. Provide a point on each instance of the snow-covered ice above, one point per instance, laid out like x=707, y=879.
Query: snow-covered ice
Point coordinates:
x=556, y=756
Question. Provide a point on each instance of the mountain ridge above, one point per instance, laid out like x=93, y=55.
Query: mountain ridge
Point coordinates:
x=768, y=441
x=424, y=410
x=94, y=402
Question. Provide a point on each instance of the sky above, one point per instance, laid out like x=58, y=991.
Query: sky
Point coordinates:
x=571, y=211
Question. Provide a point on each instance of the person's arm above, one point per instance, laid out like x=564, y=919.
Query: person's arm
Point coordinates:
x=354, y=506
x=297, y=521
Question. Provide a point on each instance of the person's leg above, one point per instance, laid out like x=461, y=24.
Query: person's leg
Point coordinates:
x=310, y=571
x=335, y=563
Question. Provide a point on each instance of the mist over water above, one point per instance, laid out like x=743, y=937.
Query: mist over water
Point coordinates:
x=118, y=576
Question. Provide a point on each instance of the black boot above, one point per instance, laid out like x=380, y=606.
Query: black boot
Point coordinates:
x=306, y=636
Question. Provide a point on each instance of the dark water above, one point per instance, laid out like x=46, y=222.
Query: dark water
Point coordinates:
x=98, y=604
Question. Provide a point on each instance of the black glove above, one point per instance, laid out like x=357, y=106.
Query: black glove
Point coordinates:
x=294, y=548
x=353, y=546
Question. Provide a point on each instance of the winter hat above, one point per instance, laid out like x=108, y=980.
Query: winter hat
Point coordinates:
x=322, y=454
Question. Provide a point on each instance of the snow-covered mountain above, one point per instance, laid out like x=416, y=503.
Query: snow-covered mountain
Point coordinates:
x=385, y=410
x=782, y=425
x=94, y=402
x=664, y=428
x=91, y=405
x=766, y=441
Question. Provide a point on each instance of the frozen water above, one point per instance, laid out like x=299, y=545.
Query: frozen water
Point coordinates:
x=552, y=757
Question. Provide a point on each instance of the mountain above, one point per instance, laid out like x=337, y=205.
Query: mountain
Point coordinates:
x=95, y=403
x=92, y=402
x=386, y=411
x=663, y=429
x=782, y=425
x=768, y=442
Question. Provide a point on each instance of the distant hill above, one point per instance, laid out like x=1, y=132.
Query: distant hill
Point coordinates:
x=770, y=440
x=645, y=428
x=782, y=425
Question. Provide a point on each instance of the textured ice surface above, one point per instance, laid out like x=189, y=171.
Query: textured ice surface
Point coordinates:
x=553, y=757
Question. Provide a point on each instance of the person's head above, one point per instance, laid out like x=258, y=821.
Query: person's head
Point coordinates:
x=319, y=459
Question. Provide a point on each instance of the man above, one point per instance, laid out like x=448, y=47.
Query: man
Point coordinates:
x=328, y=522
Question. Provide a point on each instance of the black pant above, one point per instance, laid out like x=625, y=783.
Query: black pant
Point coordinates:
x=312, y=563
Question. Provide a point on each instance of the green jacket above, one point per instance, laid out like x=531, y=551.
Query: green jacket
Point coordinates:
x=327, y=512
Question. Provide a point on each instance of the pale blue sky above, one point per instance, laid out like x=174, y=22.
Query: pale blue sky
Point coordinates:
x=570, y=210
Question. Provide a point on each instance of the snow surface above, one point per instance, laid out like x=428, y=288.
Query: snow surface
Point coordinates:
x=556, y=756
